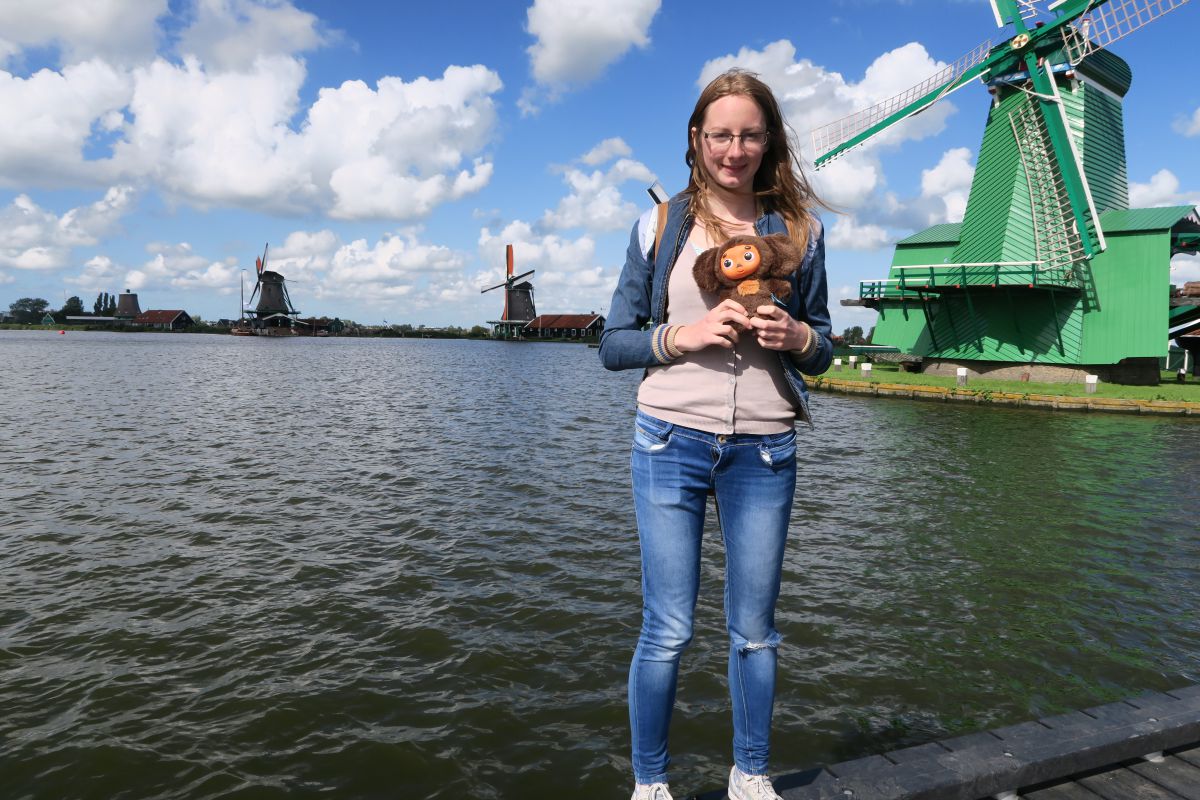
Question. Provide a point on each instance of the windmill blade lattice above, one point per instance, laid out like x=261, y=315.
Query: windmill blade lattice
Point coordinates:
x=1115, y=20
x=834, y=135
x=1056, y=237
x=1026, y=10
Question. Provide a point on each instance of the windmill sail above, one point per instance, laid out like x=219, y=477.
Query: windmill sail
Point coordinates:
x=1108, y=23
x=1051, y=141
x=1025, y=10
x=832, y=140
x=1082, y=27
x=1055, y=235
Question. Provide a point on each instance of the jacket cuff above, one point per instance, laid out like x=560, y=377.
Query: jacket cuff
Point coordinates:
x=810, y=347
x=662, y=343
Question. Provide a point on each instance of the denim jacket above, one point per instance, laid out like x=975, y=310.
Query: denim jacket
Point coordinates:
x=636, y=316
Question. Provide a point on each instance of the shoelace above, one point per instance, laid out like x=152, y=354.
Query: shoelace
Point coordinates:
x=658, y=791
x=760, y=785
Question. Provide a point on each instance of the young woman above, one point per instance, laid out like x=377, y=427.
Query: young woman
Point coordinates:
x=716, y=415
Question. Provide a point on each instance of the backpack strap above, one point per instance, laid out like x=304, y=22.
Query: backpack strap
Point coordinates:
x=662, y=225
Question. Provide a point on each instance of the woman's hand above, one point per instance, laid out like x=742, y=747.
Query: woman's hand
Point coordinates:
x=778, y=330
x=718, y=327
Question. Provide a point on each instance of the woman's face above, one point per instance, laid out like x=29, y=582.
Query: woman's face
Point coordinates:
x=733, y=167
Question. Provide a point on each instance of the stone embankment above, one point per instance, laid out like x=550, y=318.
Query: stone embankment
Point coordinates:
x=1027, y=400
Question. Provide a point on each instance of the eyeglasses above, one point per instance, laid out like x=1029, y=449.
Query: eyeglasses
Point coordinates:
x=752, y=141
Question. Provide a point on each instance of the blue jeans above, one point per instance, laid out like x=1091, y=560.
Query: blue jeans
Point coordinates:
x=754, y=478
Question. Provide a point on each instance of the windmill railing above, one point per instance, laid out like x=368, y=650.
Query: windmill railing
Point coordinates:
x=918, y=279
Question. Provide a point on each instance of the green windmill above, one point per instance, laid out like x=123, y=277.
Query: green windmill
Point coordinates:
x=1050, y=272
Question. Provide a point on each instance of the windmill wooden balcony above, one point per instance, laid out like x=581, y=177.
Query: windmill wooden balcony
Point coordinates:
x=922, y=281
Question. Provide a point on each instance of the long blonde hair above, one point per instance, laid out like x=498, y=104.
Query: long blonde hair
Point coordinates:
x=779, y=185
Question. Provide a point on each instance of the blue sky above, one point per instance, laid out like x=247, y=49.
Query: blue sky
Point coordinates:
x=388, y=151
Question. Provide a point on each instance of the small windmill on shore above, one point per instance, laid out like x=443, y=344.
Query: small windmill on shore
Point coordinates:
x=274, y=314
x=518, y=302
x=1049, y=266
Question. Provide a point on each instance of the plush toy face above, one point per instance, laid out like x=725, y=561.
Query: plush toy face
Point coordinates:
x=740, y=262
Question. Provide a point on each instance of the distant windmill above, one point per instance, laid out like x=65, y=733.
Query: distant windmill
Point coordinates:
x=274, y=314
x=518, y=302
x=1049, y=266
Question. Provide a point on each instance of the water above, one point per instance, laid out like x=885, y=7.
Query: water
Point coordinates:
x=243, y=568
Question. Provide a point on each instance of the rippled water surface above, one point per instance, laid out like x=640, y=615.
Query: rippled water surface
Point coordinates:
x=408, y=568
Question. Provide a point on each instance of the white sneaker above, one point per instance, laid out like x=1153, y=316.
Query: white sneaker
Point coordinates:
x=750, y=787
x=651, y=791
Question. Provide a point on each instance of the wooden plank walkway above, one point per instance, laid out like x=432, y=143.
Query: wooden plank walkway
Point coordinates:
x=1175, y=777
x=1094, y=753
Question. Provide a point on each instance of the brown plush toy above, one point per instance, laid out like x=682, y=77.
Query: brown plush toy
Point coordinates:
x=749, y=269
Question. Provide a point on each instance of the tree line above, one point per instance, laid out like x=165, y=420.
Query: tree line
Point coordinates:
x=854, y=335
x=32, y=310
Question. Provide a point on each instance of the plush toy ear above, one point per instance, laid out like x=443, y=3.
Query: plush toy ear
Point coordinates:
x=785, y=257
x=705, y=270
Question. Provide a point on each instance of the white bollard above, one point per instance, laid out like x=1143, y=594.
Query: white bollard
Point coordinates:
x=866, y=369
x=1091, y=381
x=837, y=365
x=853, y=361
x=961, y=373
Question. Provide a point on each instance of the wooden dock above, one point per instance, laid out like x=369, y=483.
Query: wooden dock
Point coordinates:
x=1143, y=748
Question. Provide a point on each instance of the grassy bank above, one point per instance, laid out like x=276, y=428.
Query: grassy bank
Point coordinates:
x=1168, y=390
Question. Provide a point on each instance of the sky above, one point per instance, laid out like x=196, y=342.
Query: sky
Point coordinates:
x=387, y=151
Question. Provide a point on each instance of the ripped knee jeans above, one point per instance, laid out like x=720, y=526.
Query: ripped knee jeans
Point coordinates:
x=753, y=478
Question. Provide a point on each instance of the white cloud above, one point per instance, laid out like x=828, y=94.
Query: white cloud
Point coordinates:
x=595, y=201
x=810, y=95
x=218, y=138
x=233, y=34
x=47, y=119
x=179, y=266
x=118, y=31
x=1185, y=268
x=1161, y=190
x=171, y=267
x=226, y=138
x=88, y=223
x=950, y=182
x=99, y=274
x=1189, y=126
x=398, y=151
x=36, y=239
x=568, y=278
x=371, y=188
x=533, y=251
x=396, y=261
x=396, y=267
x=849, y=234
x=218, y=275
x=304, y=256
x=606, y=151
x=849, y=181
x=577, y=39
